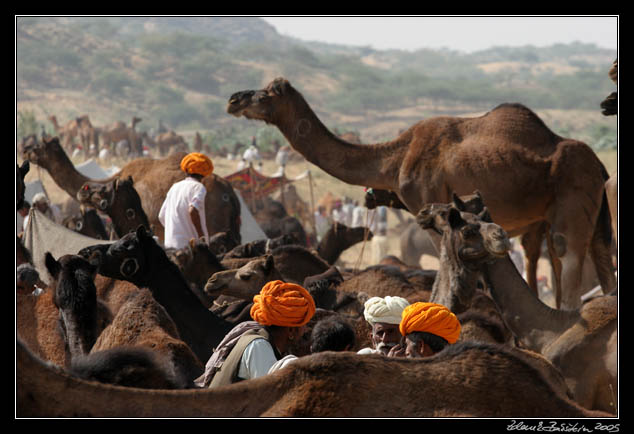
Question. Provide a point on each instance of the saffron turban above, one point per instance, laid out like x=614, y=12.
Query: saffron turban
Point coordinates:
x=386, y=310
x=431, y=318
x=197, y=163
x=283, y=304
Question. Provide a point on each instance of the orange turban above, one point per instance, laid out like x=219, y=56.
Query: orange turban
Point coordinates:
x=197, y=163
x=431, y=318
x=283, y=304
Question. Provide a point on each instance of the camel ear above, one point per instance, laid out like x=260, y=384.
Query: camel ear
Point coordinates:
x=142, y=233
x=280, y=86
x=485, y=216
x=52, y=265
x=269, y=263
x=454, y=218
x=458, y=203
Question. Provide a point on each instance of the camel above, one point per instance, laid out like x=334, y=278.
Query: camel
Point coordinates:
x=119, y=200
x=527, y=173
x=67, y=133
x=222, y=242
x=166, y=143
x=610, y=104
x=294, y=262
x=339, y=238
x=152, y=180
x=117, y=131
x=20, y=187
x=612, y=191
x=86, y=222
x=467, y=380
x=581, y=343
x=139, y=259
x=141, y=323
x=259, y=247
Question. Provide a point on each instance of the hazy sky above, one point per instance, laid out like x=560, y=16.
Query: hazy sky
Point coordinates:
x=462, y=33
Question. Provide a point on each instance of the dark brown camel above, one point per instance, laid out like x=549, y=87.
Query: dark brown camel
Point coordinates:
x=465, y=380
x=527, y=173
x=137, y=258
x=259, y=247
x=141, y=340
x=339, y=238
x=119, y=200
x=152, y=180
x=86, y=222
x=20, y=188
x=581, y=343
x=610, y=105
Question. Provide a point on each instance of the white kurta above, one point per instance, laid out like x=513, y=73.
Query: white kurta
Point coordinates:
x=174, y=214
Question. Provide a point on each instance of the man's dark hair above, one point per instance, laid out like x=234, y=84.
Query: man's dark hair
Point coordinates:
x=332, y=334
x=435, y=342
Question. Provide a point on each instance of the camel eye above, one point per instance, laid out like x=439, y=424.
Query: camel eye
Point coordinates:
x=225, y=197
x=130, y=213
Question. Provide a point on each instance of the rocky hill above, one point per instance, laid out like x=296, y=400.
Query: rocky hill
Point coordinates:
x=183, y=69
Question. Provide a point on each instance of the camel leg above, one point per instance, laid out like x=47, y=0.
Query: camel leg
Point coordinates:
x=602, y=259
x=556, y=247
x=532, y=243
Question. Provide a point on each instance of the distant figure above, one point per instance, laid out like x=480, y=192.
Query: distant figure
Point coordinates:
x=321, y=222
x=43, y=205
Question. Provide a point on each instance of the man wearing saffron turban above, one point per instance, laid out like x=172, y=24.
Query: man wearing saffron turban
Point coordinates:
x=384, y=316
x=428, y=328
x=280, y=312
x=183, y=211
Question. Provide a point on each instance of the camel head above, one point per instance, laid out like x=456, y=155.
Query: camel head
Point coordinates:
x=40, y=151
x=265, y=104
x=222, y=242
x=129, y=258
x=117, y=197
x=244, y=282
x=474, y=237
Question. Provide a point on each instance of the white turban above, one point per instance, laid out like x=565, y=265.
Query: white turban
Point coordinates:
x=387, y=310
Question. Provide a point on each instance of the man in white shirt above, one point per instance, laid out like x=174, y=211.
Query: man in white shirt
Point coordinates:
x=183, y=211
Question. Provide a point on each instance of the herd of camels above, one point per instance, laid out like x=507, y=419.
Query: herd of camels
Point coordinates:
x=528, y=181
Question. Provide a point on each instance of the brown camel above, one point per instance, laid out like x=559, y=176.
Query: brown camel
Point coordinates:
x=20, y=187
x=86, y=222
x=610, y=105
x=67, y=133
x=141, y=322
x=527, y=173
x=467, y=380
x=294, y=262
x=119, y=200
x=581, y=343
x=139, y=259
x=152, y=180
x=166, y=143
x=117, y=131
x=339, y=238
x=612, y=191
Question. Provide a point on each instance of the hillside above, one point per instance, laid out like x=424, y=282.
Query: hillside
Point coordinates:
x=183, y=69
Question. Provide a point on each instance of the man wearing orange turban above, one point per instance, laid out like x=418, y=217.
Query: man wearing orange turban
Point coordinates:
x=183, y=211
x=428, y=328
x=252, y=348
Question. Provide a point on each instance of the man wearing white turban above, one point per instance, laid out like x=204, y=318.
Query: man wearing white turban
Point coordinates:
x=384, y=316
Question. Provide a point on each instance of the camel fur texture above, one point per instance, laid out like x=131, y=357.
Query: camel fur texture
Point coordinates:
x=466, y=380
x=527, y=173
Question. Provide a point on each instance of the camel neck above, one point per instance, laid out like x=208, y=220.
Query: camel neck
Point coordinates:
x=64, y=173
x=373, y=166
x=532, y=321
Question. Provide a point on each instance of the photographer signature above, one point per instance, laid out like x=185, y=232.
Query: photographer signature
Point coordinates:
x=567, y=427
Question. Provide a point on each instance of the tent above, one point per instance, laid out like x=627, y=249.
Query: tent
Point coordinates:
x=250, y=230
x=93, y=170
x=44, y=235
